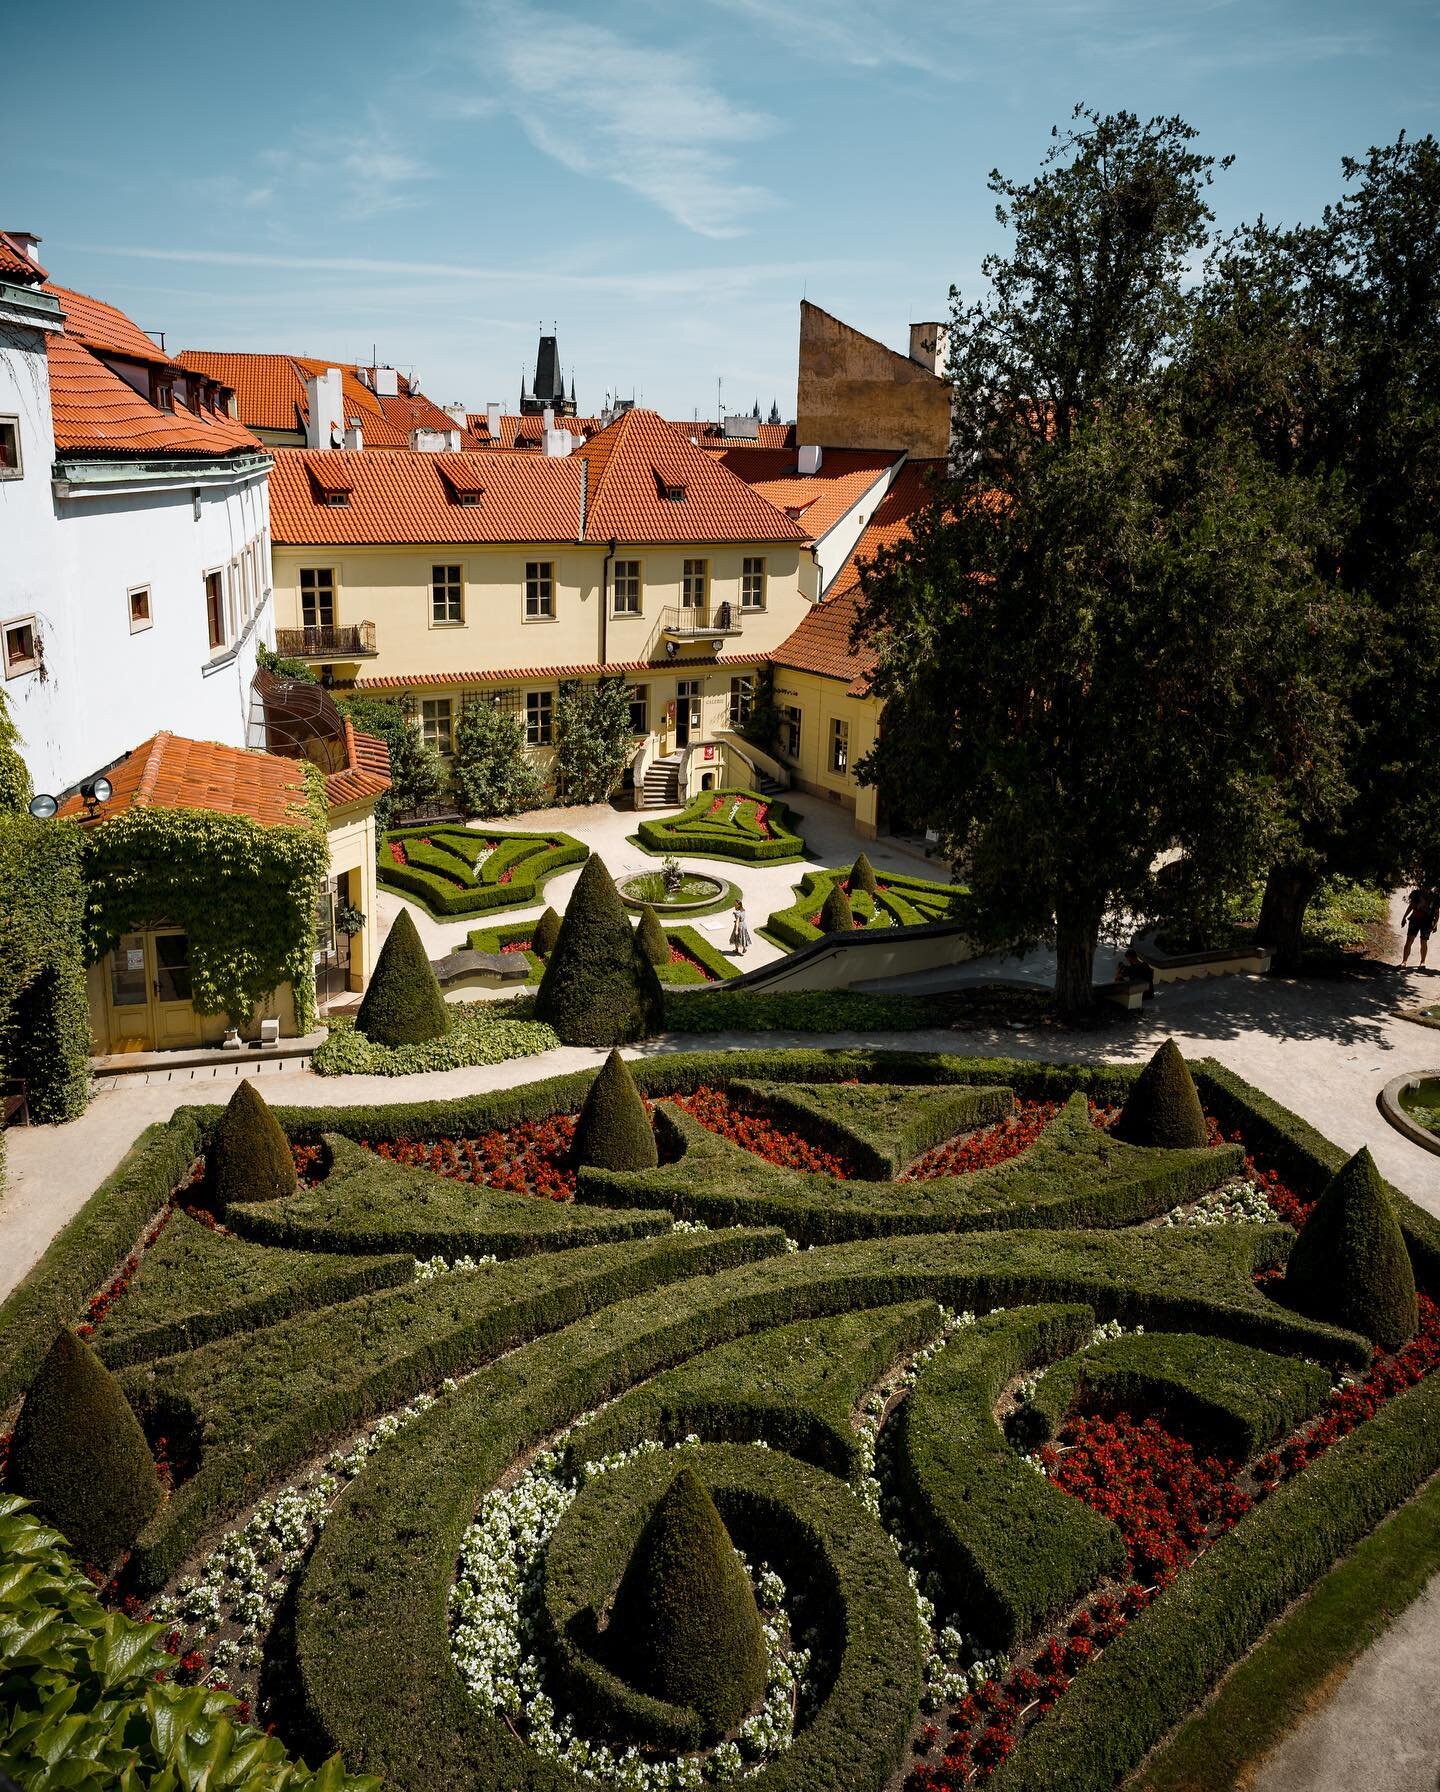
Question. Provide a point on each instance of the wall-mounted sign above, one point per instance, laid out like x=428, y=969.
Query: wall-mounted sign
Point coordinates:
x=134, y=958
x=709, y=752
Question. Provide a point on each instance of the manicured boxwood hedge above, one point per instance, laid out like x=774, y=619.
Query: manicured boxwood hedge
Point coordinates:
x=1013, y=1550
x=878, y=1127
x=899, y=901
x=1234, y=1399
x=1170, y=1657
x=442, y=877
x=806, y=1525
x=706, y=833
x=689, y=939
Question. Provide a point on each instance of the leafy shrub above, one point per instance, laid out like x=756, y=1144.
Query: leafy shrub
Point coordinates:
x=896, y=900
x=479, y=1033
x=598, y=987
x=862, y=876
x=1349, y=1264
x=79, y=1453
x=417, y=775
x=403, y=1004
x=650, y=936
x=835, y=913
x=1163, y=1107
x=493, y=772
x=249, y=1157
x=545, y=934
x=685, y=1622
x=704, y=828
x=613, y=1131
x=594, y=740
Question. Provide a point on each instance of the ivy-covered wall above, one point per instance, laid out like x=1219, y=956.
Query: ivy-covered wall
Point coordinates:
x=243, y=893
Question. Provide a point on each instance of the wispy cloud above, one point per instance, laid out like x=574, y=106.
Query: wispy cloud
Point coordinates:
x=611, y=107
x=863, y=33
x=345, y=172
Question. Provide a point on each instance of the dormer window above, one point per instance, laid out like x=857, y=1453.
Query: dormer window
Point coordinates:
x=670, y=483
x=164, y=396
x=335, y=501
x=468, y=500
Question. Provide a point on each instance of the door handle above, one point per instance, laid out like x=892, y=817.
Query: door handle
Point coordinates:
x=155, y=985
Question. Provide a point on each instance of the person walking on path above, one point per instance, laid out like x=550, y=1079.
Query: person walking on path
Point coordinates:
x=1419, y=920
x=739, y=931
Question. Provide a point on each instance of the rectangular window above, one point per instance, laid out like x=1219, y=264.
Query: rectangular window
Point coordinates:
x=839, y=745
x=233, y=604
x=790, y=731
x=695, y=584
x=215, y=608
x=172, y=967
x=437, y=724
x=752, y=583
x=317, y=596
x=539, y=717
x=247, y=569
x=742, y=695
x=628, y=591
x=639, y=709
x=139, y=604
x=10, y=467
x=539, y=589
x=446, y=595
x=22, y=646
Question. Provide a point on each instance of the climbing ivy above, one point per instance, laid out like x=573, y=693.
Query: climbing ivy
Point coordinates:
x=44, y=1020
x=244, y=894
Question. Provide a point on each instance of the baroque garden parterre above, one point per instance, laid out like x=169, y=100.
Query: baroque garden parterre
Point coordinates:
x=1008, y=1382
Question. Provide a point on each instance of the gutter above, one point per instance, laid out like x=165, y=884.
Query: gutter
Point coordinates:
x=605, y=603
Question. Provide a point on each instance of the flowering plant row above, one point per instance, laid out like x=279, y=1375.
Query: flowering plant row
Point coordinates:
x=532, y=1157
x=721, y=1114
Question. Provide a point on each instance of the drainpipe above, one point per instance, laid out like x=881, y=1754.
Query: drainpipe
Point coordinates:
x=605, y=604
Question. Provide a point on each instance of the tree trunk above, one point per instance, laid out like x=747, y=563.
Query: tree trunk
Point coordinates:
x=1288, y=890
x=1075, y=937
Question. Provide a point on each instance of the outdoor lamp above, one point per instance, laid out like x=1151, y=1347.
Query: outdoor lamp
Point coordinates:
x=43, y=807
x=98, y=790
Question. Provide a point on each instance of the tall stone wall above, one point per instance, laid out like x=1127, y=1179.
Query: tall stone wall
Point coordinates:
x=856, y=393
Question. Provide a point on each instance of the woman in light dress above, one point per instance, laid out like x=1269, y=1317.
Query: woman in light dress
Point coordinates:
x=739, y=931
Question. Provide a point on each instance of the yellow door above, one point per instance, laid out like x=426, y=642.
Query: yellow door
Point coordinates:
x=175, y=1019
x=129, y=996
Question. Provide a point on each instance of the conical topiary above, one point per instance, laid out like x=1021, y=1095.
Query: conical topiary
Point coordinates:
x=651, y=937
x=547, y=931
x=403, y=1005
x=836, y=915
x=1350, y=1265
x=249, y=1157
x=1162, y=1107
x=613, y=1131
x=862, y=876
x=79, y=1453
x=599, y=988
x=684, y=1626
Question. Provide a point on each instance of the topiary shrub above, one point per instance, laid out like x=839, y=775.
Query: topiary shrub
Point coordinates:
x=862, y=876
x=249, y=1157
x=598, y=987
x=79, y=1453
x=547, y=931
x=1349, y=1265
x=613, y=1131
x=684, y=1625
x=836, y=915
x=1162, y=1108
x=650, y=936
x=403, y=1005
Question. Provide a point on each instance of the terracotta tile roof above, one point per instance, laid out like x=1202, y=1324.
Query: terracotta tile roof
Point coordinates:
x=270, y=392
x=412, y=410
x=524, y=432
x=406, y=498
x=518, y=674
x=624, y=498
x=98, y=326
x=821, y=644
x=16, y=266
x=96, y=412
x=170, y=772
x=366, y=774
x=819, y=500
x=712, y=435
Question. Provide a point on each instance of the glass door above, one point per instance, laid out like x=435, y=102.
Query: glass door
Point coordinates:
x=687, y=711
x=130, y=1029
x=175, y=1021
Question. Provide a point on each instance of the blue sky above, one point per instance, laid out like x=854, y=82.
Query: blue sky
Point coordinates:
x=663, y=179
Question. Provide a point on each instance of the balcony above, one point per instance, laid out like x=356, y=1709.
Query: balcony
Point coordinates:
x=330, y=641
x=696, y=623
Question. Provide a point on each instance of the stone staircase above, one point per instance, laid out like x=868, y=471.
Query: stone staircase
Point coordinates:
x=662, y=783
x=767, y=786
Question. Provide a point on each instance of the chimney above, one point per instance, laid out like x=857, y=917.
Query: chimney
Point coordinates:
x=492, y=420
x=557, y=442
x=26, y=241
x=930, y=348
x=435, y=441
x=742, y=429
x=385, y=382
x=811, y=456
x=325, y=410
x=457, y=414
x=354, y=440
x=547, y=418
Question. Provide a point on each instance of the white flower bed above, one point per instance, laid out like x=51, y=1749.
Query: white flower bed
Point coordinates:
x=493, y=1639
x=427, y=1268
x=1237, y=1204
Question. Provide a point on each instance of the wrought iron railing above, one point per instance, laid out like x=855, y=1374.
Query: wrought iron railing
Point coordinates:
x=703, y=622
x=329, y=641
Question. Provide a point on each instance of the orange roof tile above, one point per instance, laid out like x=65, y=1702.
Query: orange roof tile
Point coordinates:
x=712, y=435
x=270, y=392
x=816, y=501
x=170, y=772
x=412, y=410
x=524, y=432
x=16, y=265
x=405, y=498
x=366, y=774
x=910, y=492
x=396, y=681
x=95, y=411
x=624, y=499
x=98, y=326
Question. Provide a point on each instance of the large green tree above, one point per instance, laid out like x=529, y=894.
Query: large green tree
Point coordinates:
x=416, y=774
x=1080, y=646
x=494, y=773
x=594, y=740
x=1325, y=340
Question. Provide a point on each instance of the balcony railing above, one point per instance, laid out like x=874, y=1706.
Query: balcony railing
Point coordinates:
x=688, y=622
x=330, y=641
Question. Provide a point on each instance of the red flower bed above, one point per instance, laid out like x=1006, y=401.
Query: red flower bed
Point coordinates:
x=397, y=852
x=754, y=1131
x=983, y=1150
x=530, y=1158
x=516, y=946
x=678, y=955
x=762, y=819
x=118, y=1285
x=1288, y=1203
